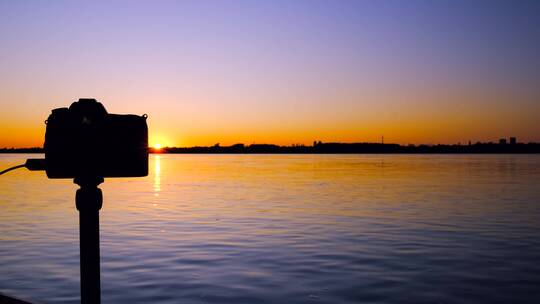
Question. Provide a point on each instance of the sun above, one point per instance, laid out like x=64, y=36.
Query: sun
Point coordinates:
x=157, y=146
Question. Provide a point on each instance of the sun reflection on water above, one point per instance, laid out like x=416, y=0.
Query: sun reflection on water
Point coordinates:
x=157, y=175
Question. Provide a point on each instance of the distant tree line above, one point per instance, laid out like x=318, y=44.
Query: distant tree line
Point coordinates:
x=344, y=148
x=338, y=148
x=21, y=150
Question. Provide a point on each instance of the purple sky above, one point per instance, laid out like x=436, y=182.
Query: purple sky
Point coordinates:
x=277, y=71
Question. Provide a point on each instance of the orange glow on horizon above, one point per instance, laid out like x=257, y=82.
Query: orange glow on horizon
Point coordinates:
x=400, y=132
x=423, y=123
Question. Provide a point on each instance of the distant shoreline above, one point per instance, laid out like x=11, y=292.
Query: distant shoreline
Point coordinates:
x=338, y=148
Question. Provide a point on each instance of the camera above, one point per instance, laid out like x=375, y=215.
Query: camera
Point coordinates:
x=85, y=141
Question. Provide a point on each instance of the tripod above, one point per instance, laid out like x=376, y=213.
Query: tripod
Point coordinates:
x=89, y=200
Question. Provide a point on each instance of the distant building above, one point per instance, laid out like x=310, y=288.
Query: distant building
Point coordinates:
x=513, y=141
x=502, y=141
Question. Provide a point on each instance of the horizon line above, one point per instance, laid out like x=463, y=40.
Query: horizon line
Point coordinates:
x=501, y=141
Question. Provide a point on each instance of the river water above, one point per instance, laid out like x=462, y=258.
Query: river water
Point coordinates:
x=285, y=229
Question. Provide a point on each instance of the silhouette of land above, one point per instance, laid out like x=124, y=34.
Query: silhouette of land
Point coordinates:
x=21, y=150
x=510, y=147
x=9, y=300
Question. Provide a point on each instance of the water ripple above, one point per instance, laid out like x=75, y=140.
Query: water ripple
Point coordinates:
x=286, y=229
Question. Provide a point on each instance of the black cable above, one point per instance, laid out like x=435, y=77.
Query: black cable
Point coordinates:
x=13, y=168
x=32, y=164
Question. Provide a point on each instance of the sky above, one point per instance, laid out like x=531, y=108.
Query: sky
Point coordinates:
x=283, y=72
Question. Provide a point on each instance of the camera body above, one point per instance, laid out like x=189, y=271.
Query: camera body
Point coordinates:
x=85, y=141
